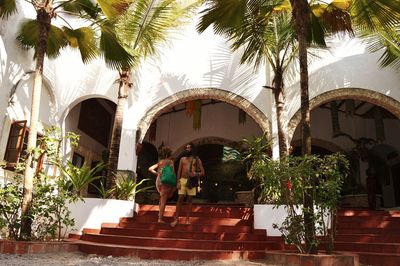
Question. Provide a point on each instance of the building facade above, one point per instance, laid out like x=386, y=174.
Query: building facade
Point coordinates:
x=355, y=103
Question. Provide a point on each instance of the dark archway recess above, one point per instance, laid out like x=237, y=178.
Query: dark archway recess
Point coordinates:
x=146, y=158
x=225, y=173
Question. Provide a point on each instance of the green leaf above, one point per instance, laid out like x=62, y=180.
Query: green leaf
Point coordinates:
x=7, y=8
x=28, y=37
x=84, y=40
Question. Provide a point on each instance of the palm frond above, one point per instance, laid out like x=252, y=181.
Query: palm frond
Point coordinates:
x=81, y=6
x=28, y=37
x=148, y=23
x=84, y=40
x=115, y=54
x=388, y=41
x=375, y=15
x=7, y=8
x=114, y=8
x=224, y=15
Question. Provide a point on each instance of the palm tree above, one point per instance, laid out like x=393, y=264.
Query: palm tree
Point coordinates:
x=142, y=28
x=230, y=18
x=377, y=22
x=265, y=39
x=47, y=40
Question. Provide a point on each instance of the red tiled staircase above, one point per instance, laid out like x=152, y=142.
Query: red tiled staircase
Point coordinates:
x=374, y=235
x=215, y=232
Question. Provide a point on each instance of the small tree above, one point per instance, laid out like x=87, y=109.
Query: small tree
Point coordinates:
x=283, y=182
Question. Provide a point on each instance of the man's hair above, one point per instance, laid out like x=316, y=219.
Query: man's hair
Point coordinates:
x=194, y=149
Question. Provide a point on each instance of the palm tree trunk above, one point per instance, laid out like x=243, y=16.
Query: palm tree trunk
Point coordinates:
x=279, y=94
x=45, y=20
x=123, y=91
x=301, y=14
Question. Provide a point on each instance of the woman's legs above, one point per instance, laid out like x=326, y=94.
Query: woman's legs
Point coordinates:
x=164, y=193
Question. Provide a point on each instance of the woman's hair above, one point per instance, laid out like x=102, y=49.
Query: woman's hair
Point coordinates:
x=164, y=152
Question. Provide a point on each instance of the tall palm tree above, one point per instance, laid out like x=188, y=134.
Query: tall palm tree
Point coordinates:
x=310, y=24
x=141, y=28
x=265, y=38
x=47, y=40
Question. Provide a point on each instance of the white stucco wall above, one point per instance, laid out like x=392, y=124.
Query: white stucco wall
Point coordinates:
x=347, y=64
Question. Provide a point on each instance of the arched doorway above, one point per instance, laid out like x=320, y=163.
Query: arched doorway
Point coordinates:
x=92, y=120
x=357, y=121
x=223, y=125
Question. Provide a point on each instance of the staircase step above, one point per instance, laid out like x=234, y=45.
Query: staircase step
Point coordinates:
x=364, y=213
x=368, y=238
x=184, y=234
x=180, y=243
x=167, y=253
x=379, y=259
x=171, y=213
x=192, y=227
x=193, y=220
x=367, y=223
x=368, y=231
x=203, y=210
x=393, y=248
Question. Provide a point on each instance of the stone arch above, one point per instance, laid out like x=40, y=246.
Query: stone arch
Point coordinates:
x=207, y=140
x=75, y=102
x=370, y=96
x=203, y=93
x=321, y=143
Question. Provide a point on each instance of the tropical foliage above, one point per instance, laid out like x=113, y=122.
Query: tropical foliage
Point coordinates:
x=282, y=182
x=49, y=215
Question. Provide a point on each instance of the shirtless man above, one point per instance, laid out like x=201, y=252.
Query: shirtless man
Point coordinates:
x=189, y=157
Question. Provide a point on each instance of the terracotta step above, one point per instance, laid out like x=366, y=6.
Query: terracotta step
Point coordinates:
x=379, y=259
x=364, y=213
x=391, y=248
x=368, y=238
x=167, y=253
x=193, y=220
x=203, y=210
x=171, y=213
x=367, y=223
x=192, y=227
x=368, y=231
x=180, y=243
x=184, y=234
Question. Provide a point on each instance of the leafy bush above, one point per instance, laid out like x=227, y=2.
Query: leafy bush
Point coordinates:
x=48, y=214
x=287, y=181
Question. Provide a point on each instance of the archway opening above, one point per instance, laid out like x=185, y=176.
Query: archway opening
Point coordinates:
x=92, y=119
x=357, y=127
x=216, y=128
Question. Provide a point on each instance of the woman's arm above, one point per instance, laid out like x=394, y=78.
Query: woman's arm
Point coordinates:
x=152, y=169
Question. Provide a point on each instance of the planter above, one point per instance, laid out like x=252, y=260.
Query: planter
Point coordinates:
x=296, y=259
x=245, y=197
x=92, y=212
x=148, y=197
x=359, y=201
x=265, y=215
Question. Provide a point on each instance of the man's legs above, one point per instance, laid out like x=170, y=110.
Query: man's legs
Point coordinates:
x=189, y=209
x=178, y=209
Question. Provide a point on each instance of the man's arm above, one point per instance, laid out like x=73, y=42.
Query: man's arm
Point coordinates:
x=202, y=173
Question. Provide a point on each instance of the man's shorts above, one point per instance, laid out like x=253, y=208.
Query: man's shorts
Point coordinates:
x=185, y=190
